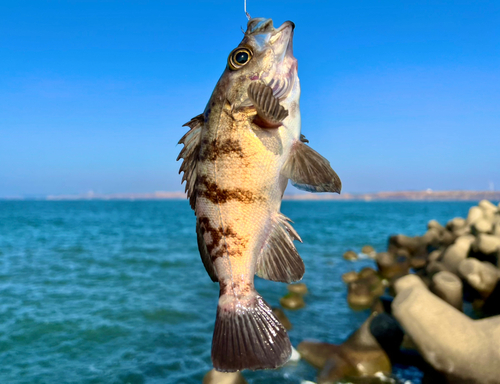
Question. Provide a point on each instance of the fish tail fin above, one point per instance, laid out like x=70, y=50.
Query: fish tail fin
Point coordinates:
x=247, y=335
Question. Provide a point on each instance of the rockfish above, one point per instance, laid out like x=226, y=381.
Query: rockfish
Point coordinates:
x=237, y=159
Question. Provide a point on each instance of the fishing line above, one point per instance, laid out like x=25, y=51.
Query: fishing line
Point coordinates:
x=245, y=9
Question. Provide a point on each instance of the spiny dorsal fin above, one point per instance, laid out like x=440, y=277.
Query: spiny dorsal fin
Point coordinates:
x=279, y=260
x=270, y=113
x=310, y=171
x=189, y=153
x=205, y=255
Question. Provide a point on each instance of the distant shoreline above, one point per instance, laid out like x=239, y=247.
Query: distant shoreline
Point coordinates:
x=427, y=195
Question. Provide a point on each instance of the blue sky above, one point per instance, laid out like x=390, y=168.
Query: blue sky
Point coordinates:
x=398, y=95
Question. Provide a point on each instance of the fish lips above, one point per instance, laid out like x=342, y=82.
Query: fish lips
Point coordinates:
x=282, y=40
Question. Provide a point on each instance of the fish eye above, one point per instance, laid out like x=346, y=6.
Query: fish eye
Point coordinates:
x=239, y=57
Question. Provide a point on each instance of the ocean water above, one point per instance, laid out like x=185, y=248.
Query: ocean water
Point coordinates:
x=115, y=292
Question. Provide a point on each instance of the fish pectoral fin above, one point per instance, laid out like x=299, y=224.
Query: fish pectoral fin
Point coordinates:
x=270, y=113
x=205, y=255
x=189, y=153
x=310, y=171
x=279, y=259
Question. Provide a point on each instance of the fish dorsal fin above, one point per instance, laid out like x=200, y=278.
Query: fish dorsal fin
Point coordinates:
x=310, y=171
x=189, y=153
x=205, y=255
x=278, y=259
x=270, y=113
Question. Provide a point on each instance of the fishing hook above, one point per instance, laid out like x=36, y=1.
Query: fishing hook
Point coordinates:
x=245, y=8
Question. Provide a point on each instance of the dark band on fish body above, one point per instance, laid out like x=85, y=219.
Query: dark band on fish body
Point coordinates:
x=218, y=195
x=215, y=248
x=212, y=150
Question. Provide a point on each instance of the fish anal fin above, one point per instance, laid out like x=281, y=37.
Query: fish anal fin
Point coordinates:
x=205, y=255
x=189, y=154
x=279, y=259
x=310, y=171
x=270, y=113
x=247, y=335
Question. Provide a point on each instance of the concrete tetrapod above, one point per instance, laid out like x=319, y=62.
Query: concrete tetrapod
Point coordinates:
x=462, y=349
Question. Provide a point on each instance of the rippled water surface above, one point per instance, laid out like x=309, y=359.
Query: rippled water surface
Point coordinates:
x=115, y=292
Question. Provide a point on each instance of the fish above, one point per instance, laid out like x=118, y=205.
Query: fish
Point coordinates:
x=237, y=159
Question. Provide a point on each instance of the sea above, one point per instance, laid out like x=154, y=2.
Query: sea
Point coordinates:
x=115, y=291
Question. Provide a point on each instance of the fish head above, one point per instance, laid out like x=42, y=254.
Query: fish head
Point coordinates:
x=265, y=54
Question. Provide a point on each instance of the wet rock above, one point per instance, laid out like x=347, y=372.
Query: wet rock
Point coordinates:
x=369, y=251
x=458, y=251
x=349, y=277
x=413, y=245
x=448, y=287
x=216, y=377
x=350, y=255
x=359, y=355
x=463, y=350
x=390, y=266
x=292, y=301
x=481, y=226
x=298, y=288
x=475, y=213
x=280, y=315
x=482, y=276
x=367, y=272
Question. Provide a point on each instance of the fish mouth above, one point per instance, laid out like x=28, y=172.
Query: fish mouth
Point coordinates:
x=282, y=39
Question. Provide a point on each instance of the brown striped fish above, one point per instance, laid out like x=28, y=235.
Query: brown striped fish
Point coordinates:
x=237, y=159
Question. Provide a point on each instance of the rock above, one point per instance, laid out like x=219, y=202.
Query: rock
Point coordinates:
x=475, y=213
x=458, y=251
x=448, y=287
x=482, y=276
x=486, y=244
x=390, y=266
x=463, y=350
x=434, y=255
x=367, y=272
x=369, y=251
x=434, y=224
x=349, y=277
x=362, y=292
x=489, y=209
x=496, y=230
x=388, y=333
x=447, y=238
x=412, y=244
x=418, y=262
x=432, y=237
x=481, y=226
x=298, y=288
x=216, y=377
x=280, y=315
x=435, y=267
x=350, y=255
x=457, y=226
x=292, y=301
x=408, y=281
x=359, y=355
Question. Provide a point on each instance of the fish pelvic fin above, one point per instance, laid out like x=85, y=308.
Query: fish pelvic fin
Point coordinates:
x=279, y=259
x=205, y=255
x=310, y=171
x=247, y=335
x=189, y=154
x=270, y=113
